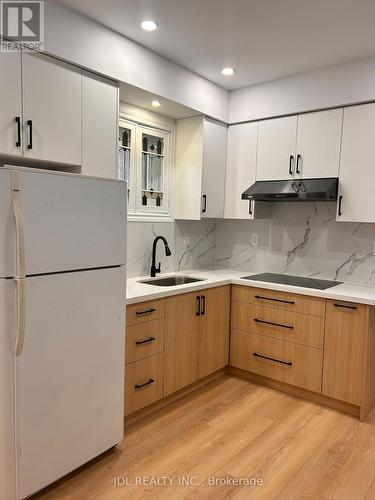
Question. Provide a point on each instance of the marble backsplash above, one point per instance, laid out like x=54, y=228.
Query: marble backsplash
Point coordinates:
x=192, y=244
x=298, y=238
x=302, y=239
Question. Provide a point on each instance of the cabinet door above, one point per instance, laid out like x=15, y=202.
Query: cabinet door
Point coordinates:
x=343, y=351
x=276, y=149
x=214, y=324
x=10, y=104
x=357, y=172
x=241, y=167
x=181, y=342
x=52, y=102
x=318, y=144
x=99, y=126
x=213, y=175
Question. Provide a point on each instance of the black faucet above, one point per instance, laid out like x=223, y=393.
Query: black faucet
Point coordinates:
x=168, y=252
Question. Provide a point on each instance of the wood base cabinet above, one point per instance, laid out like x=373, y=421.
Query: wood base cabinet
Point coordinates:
x=197, y=336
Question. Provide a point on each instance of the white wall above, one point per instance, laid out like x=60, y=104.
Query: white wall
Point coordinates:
x=334, y=86
x=82, y=41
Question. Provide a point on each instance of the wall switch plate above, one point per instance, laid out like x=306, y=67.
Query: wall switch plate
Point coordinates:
x=255, y=240
x=186, y=239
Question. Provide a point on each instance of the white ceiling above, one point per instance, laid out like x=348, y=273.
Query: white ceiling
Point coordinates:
x=263, y=39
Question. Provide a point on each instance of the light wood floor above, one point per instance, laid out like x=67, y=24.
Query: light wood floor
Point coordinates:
x=233, y=428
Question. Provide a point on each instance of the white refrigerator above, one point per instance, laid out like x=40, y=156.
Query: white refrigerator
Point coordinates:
x=62, y=324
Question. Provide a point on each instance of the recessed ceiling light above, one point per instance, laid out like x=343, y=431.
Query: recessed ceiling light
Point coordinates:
x=156, y=104
x=149, y=25
x=228, y=71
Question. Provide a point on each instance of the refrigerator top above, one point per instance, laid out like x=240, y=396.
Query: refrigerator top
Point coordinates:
x=70, y=222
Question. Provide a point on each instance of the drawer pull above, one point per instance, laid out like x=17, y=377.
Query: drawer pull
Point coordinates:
x=275, y=300
x=148, y=311
x=346, y=307
x=139, y=386
x=140, y=342
x=289, y=363
x=273, y=324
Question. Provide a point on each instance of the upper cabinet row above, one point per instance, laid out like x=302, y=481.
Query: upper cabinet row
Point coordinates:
x=333, y=143
x=53, y=112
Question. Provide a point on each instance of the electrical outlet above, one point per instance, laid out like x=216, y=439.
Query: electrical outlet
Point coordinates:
x=255, y=240
x=186, y=239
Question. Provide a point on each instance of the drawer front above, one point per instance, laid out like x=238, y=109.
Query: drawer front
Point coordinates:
x=145, y=311
x=283, y=300
x=144, y=340
x=290, y=363
x=143, y=383
x=279, y=323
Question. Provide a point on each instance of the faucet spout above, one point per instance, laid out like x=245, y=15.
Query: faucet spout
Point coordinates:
x=168, y=252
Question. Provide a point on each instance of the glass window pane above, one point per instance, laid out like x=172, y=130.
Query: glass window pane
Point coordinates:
x=152, y=170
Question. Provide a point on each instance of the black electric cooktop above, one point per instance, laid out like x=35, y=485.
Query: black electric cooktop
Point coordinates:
x=285, y=279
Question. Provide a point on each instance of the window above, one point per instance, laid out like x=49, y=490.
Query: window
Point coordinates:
x=144, y=161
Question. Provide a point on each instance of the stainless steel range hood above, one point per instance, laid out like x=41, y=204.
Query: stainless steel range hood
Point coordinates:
x=293, y=190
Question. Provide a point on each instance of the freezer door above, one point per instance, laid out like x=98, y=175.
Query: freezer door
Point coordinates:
x=7, y=367
x=70, y=222
x=70, y=376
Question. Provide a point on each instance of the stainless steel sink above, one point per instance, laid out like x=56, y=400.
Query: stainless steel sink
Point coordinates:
x=171, y=281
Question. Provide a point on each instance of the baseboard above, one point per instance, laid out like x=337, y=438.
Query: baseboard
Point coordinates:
x=296, y=391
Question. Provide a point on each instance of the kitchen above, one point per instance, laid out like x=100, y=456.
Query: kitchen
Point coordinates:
x=206, y=328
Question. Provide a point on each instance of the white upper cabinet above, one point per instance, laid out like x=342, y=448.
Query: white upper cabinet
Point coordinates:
x=276, y=149
x=240, y=171
x=99, y=126
x=357, y=170
x=200, y=168
x=51, y=110
x=10, y=104
x=318, y=144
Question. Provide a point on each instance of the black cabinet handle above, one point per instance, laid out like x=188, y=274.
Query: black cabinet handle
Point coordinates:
x=274, y=300
x=30, y=125
x=148, y=311
x=340, y=204
x=299, y=158
x=273, y=324
x=203, y=304
x=346, y=307
x=18, y=122
x=250, y=208
x=138, y=386
x=198, y=309
x=289, y=363
x=291, y=161
x=204, y=209
x=140, y=342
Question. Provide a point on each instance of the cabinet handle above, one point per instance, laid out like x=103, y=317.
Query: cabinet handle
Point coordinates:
x=299, y=158
x=198, y=309
x=148, y=311
x=346, y=307
x=30, y=125
x=138, y=386
x=18, y=122
x=274, y=300
x=203, y=309
x=273, y=324
x=250, y=208
x=289, y=363
x=140, y=342
x=340, y=204
x=291, y=161
x=204, y=209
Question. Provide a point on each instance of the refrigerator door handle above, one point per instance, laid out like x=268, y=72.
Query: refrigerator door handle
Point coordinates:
x=20, y=273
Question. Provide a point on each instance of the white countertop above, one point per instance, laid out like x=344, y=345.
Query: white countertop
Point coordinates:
x=139, y=292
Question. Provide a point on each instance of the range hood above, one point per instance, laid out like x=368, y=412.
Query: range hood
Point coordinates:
x=293, y=190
